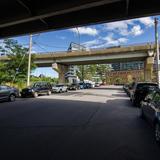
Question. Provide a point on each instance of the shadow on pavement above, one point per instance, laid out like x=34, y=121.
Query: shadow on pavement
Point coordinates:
x=107, y=88
x=75, y=130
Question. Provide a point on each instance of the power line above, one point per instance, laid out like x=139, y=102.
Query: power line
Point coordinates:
x=40, y=47
x=51, y=46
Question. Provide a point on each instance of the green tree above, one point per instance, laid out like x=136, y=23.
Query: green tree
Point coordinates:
x=86, y=72
x=89, y=71
x=101, y=70
x=18, y=65
x=4, y=76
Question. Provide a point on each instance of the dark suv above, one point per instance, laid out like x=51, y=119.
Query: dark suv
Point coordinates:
x=140, y=90
x=73, y=86
x=150, y=110
x=8, y=93
x=36, y=89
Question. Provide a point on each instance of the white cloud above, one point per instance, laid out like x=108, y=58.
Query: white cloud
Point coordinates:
x=105, y=42
x=130, y=27
x=136, y=30
x=147, y=21
x=122, y=27
x=92, y=43
x=85, y=30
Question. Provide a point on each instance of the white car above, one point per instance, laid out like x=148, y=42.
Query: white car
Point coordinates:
x=59, y=88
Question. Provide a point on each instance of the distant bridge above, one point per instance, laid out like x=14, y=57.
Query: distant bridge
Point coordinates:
x=111, y=55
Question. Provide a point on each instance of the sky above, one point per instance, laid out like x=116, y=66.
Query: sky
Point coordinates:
x=129, y=32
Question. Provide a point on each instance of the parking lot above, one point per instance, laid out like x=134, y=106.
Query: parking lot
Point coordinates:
x=98, y=123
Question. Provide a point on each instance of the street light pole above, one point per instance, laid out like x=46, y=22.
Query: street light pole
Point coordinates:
x=29, y=60
x=157, y=50
x=82, y=68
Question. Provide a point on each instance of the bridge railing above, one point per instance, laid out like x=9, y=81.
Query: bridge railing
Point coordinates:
x=95, y=49
x=127, y=45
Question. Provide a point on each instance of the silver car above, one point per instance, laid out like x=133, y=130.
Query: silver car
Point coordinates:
x=59, y=88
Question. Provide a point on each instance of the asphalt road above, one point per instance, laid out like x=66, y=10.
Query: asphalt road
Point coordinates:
x=95, y=124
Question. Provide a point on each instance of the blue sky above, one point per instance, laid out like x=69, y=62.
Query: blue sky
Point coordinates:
x=128, y=32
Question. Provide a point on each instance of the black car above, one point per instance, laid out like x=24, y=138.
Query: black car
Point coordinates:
x=150, y=110
x=8, y=93
x=37, y=89
x=73, y=86
x=140, y=90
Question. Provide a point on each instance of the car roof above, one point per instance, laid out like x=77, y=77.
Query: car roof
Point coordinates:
x=146, y=83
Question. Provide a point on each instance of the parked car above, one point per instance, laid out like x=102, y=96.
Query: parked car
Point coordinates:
x=59, y=88
x=36, y=89
x=97, y=84
x=150, y=110
x=140, y=90
x=126, y=88
x=73, y=86
x=82, y=85
x=89, y=85
x=8, y=93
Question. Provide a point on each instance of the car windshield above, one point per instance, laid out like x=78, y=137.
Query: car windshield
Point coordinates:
x=146, y=85
x=58, y=85
x=35, y=85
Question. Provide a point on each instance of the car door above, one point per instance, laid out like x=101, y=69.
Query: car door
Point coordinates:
x=63, y=88
x=147, y=103
x=4, y=92
x=1, y=93
x=154, y=106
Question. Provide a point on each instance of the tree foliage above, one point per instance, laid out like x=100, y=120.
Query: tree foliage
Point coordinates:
x=89, y=71
x=16, y=68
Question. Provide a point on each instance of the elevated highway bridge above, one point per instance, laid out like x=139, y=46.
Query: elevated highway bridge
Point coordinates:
x=111, y=55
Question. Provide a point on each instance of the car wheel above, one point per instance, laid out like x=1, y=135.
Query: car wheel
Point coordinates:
x=60, y=91
x=12, y=98
x=157, y=132
x=35, y=94
x=49, y=93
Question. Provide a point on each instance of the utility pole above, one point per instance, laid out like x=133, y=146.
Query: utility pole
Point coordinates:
x=157, y=50
x=82, y=67
x=29, y=60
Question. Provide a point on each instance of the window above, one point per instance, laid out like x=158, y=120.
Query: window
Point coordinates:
x=156, y=98
x=150, y=95
x=4, y=87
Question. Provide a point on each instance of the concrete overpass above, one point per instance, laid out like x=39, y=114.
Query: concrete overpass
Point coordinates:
x=19, y=17
x=99, y=56
x=62, y=60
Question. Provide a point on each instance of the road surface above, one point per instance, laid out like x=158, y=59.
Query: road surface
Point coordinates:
x=93, y=124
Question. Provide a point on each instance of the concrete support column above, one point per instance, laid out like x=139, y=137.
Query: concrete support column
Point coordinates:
x=61, y=69
x=148, y=68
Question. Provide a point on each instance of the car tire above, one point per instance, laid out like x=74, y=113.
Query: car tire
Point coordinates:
x=49, y=93
x=157, y=132
x=60, y=91
x=12, y=98
x=35, y=94
x=66, y=90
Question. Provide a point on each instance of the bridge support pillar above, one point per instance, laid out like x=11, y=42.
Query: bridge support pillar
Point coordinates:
x=148, y=68
x=62, y=70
